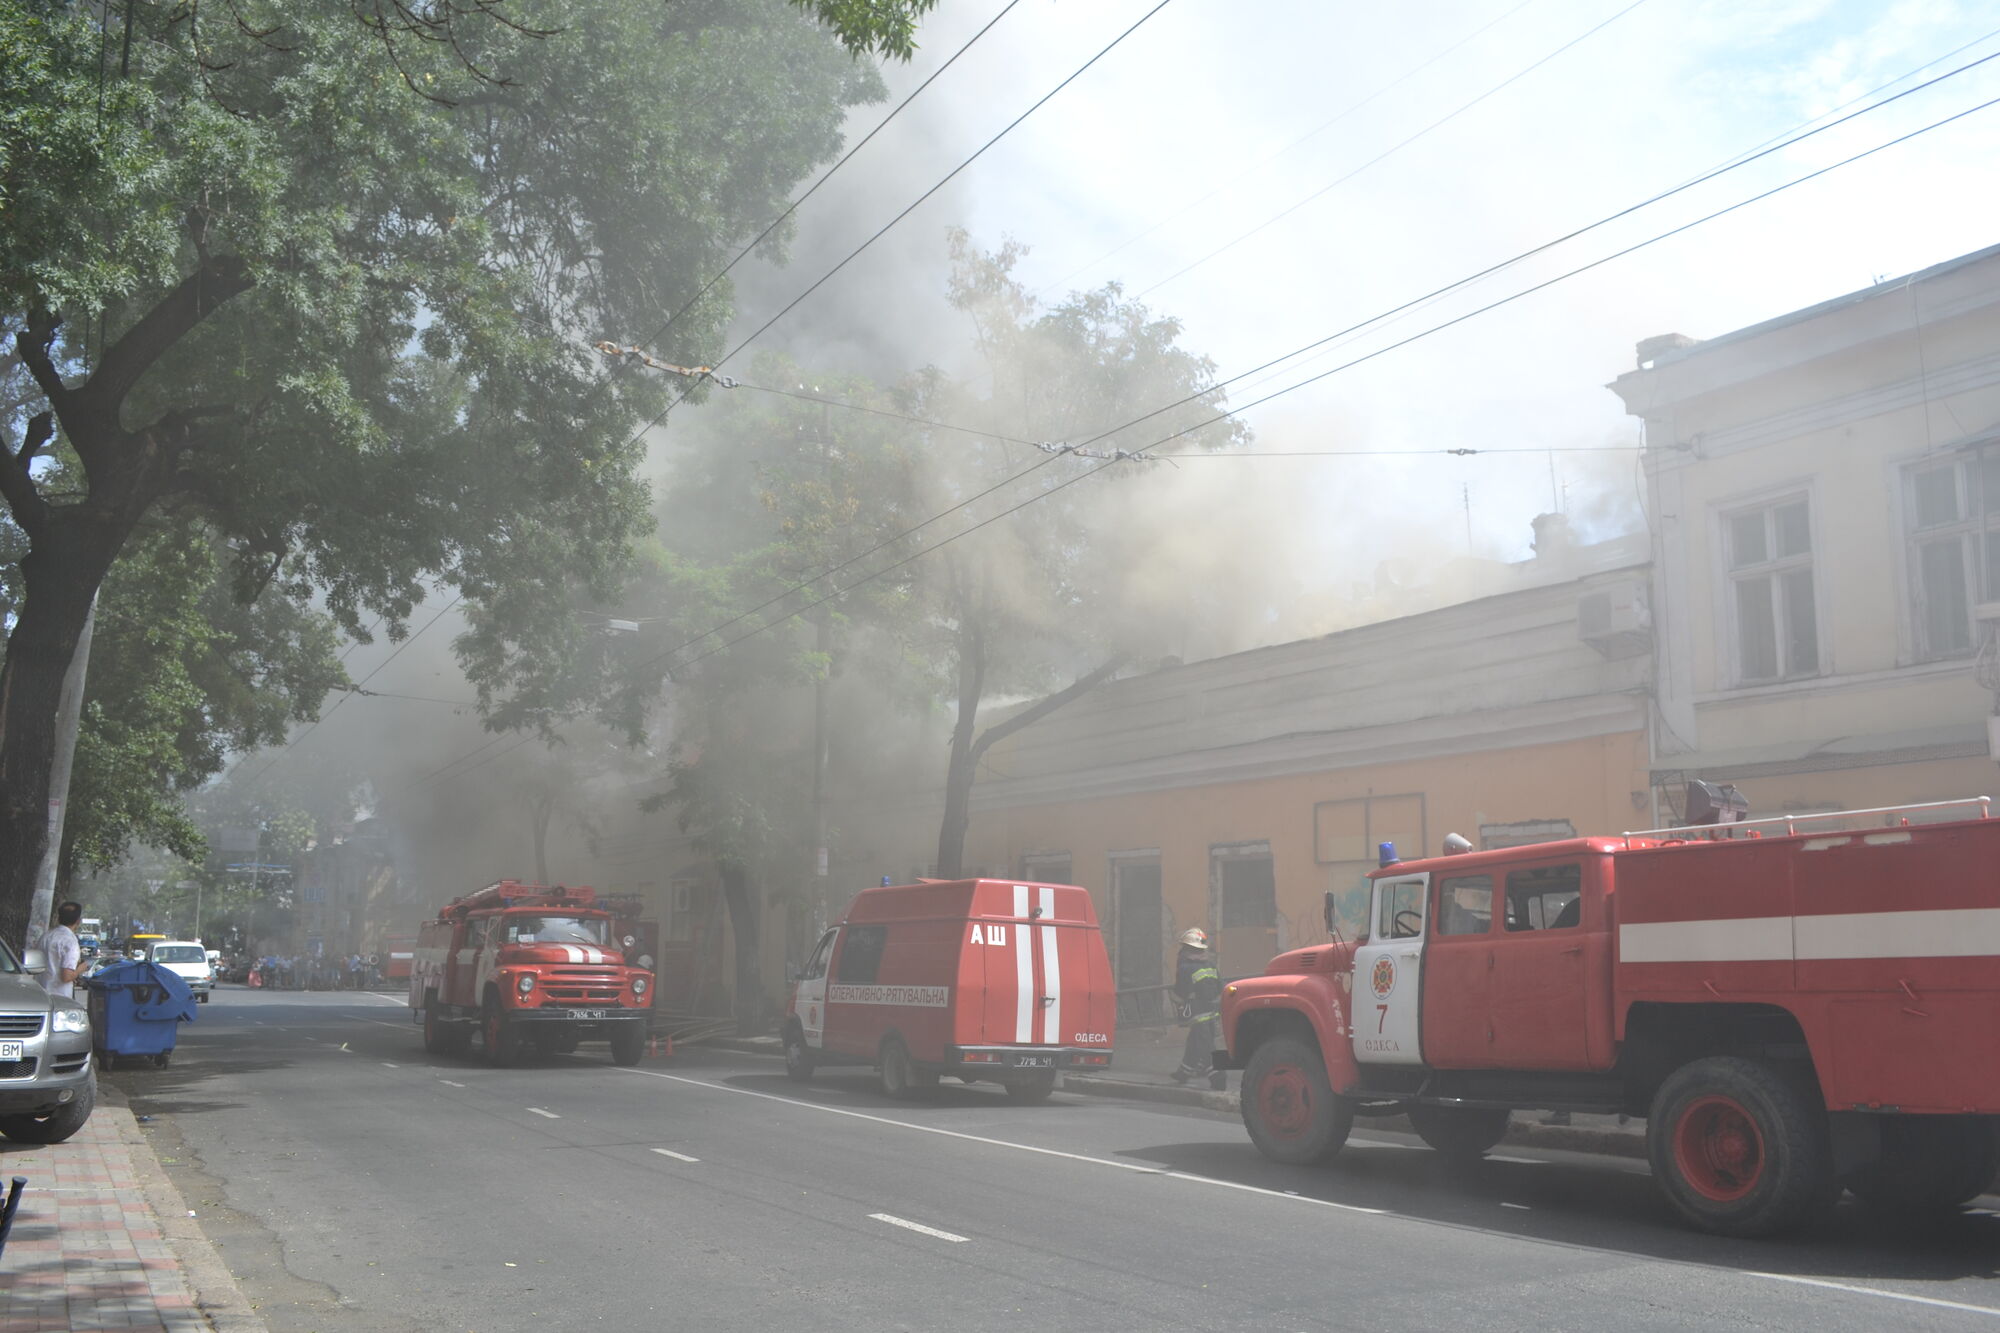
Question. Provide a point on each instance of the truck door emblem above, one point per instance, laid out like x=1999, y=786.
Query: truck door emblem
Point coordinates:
x=1383, y=979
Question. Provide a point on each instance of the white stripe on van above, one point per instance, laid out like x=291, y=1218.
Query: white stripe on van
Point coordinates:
x=1024, y=974
x=1052, y=978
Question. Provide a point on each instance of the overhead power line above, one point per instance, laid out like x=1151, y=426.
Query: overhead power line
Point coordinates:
x=828, y=175
x=1390, y=152
x=1314, y=379
x=944, y=180
x=1352, y=329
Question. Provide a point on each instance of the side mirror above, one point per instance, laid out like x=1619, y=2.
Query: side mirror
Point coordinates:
x=34, y=960
x=1327, y=912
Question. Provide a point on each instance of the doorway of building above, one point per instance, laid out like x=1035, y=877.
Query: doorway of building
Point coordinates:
x=1139, y=928
x=1244, y=889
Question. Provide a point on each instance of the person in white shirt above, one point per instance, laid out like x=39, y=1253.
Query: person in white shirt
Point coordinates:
x=64, y=953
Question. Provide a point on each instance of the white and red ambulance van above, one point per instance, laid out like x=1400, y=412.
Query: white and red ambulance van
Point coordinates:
x=981, y=979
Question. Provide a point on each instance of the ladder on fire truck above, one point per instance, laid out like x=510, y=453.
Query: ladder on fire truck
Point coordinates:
x=1892, y=816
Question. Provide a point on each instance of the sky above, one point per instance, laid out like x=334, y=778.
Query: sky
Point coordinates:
x=1439, y=138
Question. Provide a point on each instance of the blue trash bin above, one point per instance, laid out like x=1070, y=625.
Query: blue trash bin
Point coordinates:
x=135, y=1009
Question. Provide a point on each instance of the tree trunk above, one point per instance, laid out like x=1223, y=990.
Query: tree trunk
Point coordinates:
x=740, y=896
x=964, y=764
x=59, y=576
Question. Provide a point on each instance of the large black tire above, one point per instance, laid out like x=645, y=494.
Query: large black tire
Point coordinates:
x=435, y=1041
x=1031, y=1088
x=1462, y=1133
x=628, y=1044
x=1290, y=1109
x=58, y=1124
x=899, y=1072
x=1930, y=1164
x=798, y=1055
x=503, y=1039
x=1741, y=1147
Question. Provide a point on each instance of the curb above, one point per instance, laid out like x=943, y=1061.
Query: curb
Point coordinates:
x=216, y=1295
x=1207, y=1098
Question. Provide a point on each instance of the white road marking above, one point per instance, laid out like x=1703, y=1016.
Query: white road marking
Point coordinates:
x=1003, y=1143
x=390, y=1064
x=403, y=1000
x=908, y=1225
x=1522, y=1206
x=547, y=1115
x=449, y=1084
x=1520, y=1161
x=677, y=1156
x=1876, y=1291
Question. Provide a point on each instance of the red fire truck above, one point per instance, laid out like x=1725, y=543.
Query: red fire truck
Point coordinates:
x=526, y=965
x=1795, y=1005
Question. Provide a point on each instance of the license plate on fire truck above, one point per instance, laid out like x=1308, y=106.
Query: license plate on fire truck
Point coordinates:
x=586, y=1015
x=1034, y=1062
x=13, y=1050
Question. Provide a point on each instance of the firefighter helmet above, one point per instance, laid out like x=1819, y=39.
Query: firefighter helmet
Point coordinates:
x=1196, y=938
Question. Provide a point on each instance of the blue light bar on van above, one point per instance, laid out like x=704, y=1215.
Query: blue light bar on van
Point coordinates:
x=1385, y=855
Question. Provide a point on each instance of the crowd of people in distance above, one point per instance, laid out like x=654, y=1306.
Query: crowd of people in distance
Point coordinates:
x=309, y=972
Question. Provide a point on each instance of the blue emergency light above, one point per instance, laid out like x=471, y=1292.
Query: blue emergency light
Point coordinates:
x=1385, y=855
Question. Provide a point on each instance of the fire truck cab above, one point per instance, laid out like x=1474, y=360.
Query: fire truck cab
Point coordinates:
x=528, y=966
x=1793, y=1005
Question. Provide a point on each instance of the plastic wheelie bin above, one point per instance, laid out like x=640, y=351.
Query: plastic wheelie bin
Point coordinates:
x=135, y=1009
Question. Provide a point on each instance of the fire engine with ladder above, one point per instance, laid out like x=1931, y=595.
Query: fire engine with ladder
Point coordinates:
x=529, y=967
x=1796, y=1006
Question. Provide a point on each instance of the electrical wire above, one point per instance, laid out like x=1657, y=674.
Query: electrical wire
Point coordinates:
x=1352, y=329
x=917, y=203
x=1314, y=379
x=828, y=175
x=1387, y=153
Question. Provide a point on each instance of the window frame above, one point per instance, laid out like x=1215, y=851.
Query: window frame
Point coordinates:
x=1772, y=572
x=1506, y=898
x=1979, y=520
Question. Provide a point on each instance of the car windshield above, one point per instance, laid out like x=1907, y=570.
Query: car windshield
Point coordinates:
x=179, y=953
x=555, y=930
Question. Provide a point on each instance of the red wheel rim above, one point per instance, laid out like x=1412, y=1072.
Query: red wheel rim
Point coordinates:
x=1719, y=1149
x=1284, y=1101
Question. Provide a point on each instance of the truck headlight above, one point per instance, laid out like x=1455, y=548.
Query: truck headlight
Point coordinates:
x=638, y=985
x=526, y=983
x=70, y=1020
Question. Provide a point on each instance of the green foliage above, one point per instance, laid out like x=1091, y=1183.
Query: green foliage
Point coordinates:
x=182, y=673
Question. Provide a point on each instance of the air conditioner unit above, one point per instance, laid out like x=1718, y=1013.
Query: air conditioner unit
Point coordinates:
x=1616, y=620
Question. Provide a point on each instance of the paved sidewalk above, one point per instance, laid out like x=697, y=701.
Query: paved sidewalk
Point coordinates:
x=104, y=1241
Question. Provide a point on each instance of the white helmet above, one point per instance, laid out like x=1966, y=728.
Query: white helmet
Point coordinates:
x=1196, y=938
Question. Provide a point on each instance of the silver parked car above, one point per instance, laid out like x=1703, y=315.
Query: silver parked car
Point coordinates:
x=47, y=1083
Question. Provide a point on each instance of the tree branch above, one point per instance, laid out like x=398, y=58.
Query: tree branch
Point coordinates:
x=32, y=344
x=17, y=485
x=214, y=281
x=1027, y=717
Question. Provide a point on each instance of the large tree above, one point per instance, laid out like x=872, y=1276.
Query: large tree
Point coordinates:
x=322, y=275
x=1035, y=604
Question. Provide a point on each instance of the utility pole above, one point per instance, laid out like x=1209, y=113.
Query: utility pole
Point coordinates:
x=823, y=645
x=69, y=713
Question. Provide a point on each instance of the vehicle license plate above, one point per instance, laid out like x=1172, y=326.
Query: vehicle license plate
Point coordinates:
x=13, y=1050
x=583, y=1015
x=1034, y=1062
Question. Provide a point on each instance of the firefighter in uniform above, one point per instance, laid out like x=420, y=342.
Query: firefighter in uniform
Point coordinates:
x=1198, y=992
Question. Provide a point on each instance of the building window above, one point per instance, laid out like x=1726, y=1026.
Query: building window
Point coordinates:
x=1951, y=513
x=1769, y=554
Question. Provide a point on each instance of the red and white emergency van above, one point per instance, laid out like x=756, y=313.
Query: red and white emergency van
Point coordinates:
x=984, y=980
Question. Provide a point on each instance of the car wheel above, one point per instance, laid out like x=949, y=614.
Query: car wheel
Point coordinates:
x=58, y=1124
x=798, y=1055
x=503, y=1041
x=1289, y=1107
x=898, y=1070
x=628, y=1043
x=1741, y=1147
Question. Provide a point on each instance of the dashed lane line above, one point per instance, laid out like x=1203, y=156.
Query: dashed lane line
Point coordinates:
x=546, y=1115
x=449, y=1084
x=677, y=1156
x=908, y=1225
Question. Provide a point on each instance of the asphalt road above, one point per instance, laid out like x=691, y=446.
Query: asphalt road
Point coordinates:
x=353, y=1182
